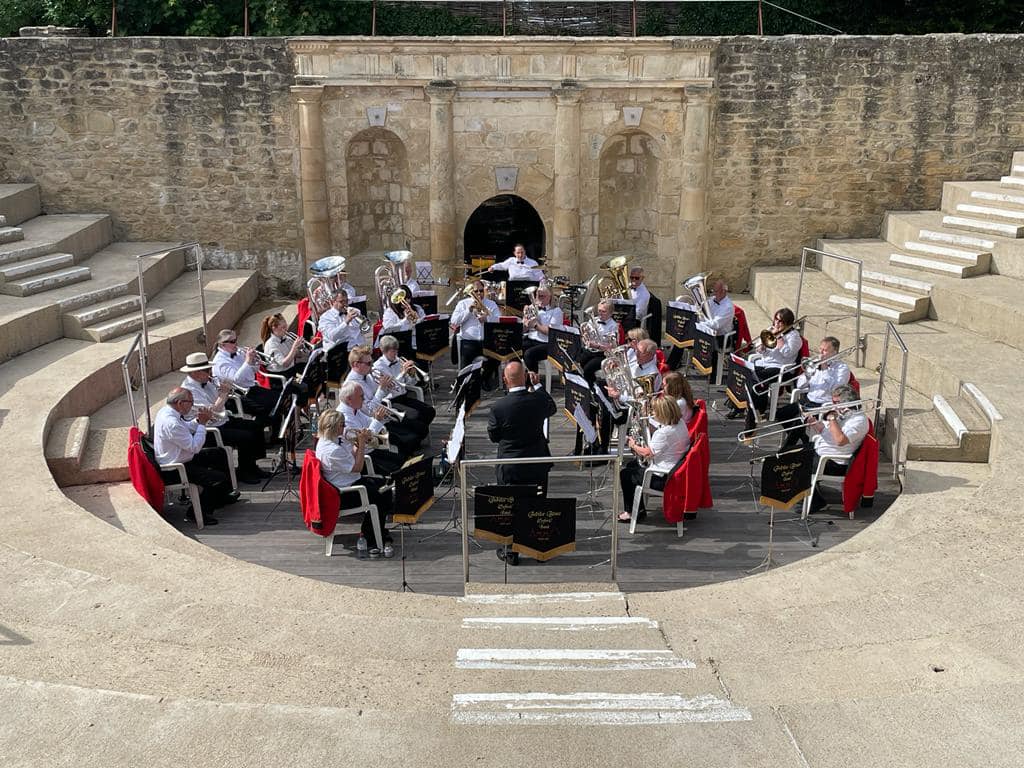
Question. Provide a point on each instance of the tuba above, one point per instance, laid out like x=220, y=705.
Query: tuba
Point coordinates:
x=392, y=274
x=698, y=288
x=615, y=285
x=328, y=275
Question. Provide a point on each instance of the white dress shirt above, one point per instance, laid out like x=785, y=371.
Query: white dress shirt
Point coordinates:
x=609, y=327
x=392, y=321
x=470, y=327
x=394, y=370
x=642, y=297
x=205, y=396
x=372, y=394
x=234, y=367
x=358, y=419
x=854, y=425
x=669, y=443
x=337, y=329
x=176, y=439
x=516, y=271
x=336, y=462
x=720, y=322
x=822, y=381
x=549, y=316
x=685, y=409
x=783, y=355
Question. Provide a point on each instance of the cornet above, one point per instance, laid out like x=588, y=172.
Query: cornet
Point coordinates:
x=375, y=441
x=390, y=414
x=262, y=357
x=378, y=378
x=214, y=415
x=424, y=376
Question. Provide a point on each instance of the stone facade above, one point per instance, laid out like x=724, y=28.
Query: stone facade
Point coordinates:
x=691, y=154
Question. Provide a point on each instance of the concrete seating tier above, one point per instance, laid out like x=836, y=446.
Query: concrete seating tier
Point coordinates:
x=952, y=418
x=914, y=270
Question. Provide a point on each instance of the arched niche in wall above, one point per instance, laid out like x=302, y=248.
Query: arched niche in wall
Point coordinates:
x=500, y=222
x=628, y=215
x=377, y=173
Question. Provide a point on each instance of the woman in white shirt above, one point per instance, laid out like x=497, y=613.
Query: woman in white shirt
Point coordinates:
x=678, y=388
x=281, y=352
x=669, y=441
x=341, y=465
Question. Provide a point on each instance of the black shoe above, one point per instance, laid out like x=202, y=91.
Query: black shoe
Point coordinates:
x=734, y=413
x=508, y=557
x=248, y=478
x=231, y=498
x=689, y=515
x=190, y=517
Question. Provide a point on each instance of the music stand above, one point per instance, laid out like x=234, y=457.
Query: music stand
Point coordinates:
x=788, y=477
x=288, y=436
x=455, y=449
x=413, y=493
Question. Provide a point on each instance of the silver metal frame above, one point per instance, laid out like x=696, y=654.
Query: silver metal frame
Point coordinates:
x=898, y=464
x=128, y=382
x=616, y=493
x=860, y=341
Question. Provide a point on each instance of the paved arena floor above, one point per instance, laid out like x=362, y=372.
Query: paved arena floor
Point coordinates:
x=723, y=543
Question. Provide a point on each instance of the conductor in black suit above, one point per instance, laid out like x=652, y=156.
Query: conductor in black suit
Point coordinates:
x=516, y=424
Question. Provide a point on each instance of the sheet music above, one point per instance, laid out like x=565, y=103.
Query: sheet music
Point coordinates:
x=585, y=425
x=737, y=360
x=578, y=380
x=457, y=436
x=474, y=366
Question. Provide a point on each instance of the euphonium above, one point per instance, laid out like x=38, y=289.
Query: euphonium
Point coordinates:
x=698, y=288
x=616, y=369
x=532, y=310
x=591, y=334
x=615, y=285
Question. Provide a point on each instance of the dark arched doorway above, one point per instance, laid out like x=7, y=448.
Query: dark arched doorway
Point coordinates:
x=498, y=224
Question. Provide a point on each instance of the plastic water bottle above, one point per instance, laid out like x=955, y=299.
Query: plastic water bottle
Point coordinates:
x=314, y=417
x=362, y=550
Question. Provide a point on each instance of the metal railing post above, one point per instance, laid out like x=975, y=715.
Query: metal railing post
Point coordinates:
x=202, y=290
x=899, y=464
x=144, y=348
x=125, y=361
x=860, y=341
x=465, y=526
x=800, y=284
x=861, y=351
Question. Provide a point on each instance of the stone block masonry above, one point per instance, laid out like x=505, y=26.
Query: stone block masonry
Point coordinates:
x=177, y=139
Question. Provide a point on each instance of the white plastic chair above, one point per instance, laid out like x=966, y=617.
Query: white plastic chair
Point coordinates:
x=184, y=485
x=644, y=491
x=364, y=507
x=818, y=472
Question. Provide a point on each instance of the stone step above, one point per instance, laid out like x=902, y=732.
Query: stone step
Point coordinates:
x=65, y=446
x=968, y=427
x=103, y=460
x=1002, y=214
x=76, y=321
x=891, y=298
x=1012, y=181
x=898, y=281
x=111, y=329
x=76, y=233
x=1006, y=198
x=94, y=295
x=11, y=235
x=19, y=202
x=971, y=258
x=46, y=282
x=1017, y=170
x=952, y=238
x=879, y=311
x=937, y=266
x=981, y=225
x=36, y=266
x=3, y=221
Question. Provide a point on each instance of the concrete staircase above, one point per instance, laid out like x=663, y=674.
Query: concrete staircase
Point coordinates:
x=979, y=230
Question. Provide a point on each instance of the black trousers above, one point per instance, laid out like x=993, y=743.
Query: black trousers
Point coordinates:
x=762, y=400
x=631, y=477
x=415, y=409
x=590, y=362
x=469, y=350
x=381, y=499
x=534, y=353
x=385, y=462
x=208, y=469
x=259, y=403
x=833, y=469
x=523, y=474
x=246, y=437
x=792, y=411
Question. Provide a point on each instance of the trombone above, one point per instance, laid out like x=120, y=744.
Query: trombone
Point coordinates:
x=810, y=364
x=769, y=337
x=797, y=422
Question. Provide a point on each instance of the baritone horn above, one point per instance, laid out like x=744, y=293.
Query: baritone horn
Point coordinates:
x=328, y=275
x=698, y=288
x=615, y=285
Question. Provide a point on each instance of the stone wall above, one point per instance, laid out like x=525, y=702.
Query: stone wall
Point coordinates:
x=178, y=139
x=820, y=136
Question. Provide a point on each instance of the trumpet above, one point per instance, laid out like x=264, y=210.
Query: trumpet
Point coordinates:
x=424, y=376
x=307, y=347
x=262, y=357
x=214, y=415
x=390, y=414
x=797, y=422
x=364, y=322
x=373, y=442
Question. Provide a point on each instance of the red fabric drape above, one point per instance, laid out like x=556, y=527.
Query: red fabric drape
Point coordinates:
x=302, y=312
x=699, y=423
x=319, y=500
x=689, y=488
x=854, y=384
x=144, y=475
x=743, y=330
x=861, y=478
x=663, y=368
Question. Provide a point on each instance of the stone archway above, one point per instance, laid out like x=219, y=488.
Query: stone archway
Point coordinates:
x=377, y=174
x=500, y=222
x=628, y=220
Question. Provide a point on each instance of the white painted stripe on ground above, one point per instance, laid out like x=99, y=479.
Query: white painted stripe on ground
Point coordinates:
x=592, y=709
x=527, y=598
x=559, y=623
x=569, y=659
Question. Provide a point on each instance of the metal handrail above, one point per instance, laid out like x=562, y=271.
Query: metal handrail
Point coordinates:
x=898, y=464
x=616, y=491
x=860, y=291
x=128, y=380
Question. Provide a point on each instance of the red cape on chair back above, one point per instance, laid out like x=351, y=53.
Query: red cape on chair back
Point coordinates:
x=805, y=349
x=302, y=313
x=320, y=501
x=663, y=368
x=145, y=477
x=854, y=384
x=742, y=329
x=688, y=489
x=699, y=423
x=861, y=479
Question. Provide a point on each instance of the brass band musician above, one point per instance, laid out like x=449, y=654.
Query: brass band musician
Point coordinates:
x=341, y=323
x=669, y=442
x=406, y=434
x=371, y=418
x=281, y=351
x=239, y=367
x=816, y=386
x=591, y=357
x=535, y=343
x=467, y=321
x=403, y=374
x=838, y=435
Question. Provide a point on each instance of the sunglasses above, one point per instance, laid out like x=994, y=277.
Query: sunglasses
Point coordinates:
x=230, y=341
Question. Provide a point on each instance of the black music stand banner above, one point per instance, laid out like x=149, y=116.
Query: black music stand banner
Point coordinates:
x=515, y=294
x=577, y=393
x=703, y=352
x=432, y=337
x=468, y=387
x=503, y=338
x=414, y=491
x=786, y=478
x=564, y=347
x=543, y=528
x=404, y=339
x=337, y=364
x=494, y=510
x=624, y=312
x=739, y=378
x=427, y=300
x=679, y=324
